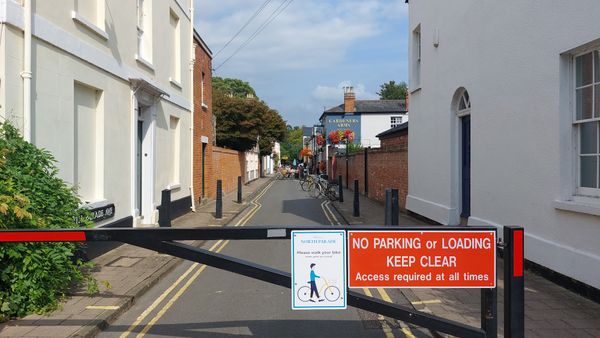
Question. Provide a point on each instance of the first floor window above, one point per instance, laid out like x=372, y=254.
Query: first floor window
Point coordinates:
x=396, y=121
x=587, y=121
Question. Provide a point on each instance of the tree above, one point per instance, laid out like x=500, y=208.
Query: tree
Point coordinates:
x=235, y=87
x=238, y=121
x=292, y=144
x=272, y=129
x=393, y=91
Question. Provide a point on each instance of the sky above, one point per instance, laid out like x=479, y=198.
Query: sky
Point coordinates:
x=299, y=63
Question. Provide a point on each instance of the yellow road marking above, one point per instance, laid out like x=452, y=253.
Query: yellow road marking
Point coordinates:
x=433, y=301
x=101, y=307
x=405, y=329
x=170, y=303
x=163, y=296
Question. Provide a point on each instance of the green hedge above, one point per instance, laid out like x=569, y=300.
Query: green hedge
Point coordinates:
x=34, y=276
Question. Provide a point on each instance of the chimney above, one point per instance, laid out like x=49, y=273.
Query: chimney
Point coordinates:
x=349, y=100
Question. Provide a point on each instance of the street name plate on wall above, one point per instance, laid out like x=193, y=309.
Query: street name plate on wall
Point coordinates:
x=102, y=213
x=319, y=270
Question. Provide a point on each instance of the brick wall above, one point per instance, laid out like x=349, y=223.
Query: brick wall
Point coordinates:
x=203, y=125
x=387, y=168
x=227, y=166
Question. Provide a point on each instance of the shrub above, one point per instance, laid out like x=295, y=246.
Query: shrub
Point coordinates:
x=34, y=276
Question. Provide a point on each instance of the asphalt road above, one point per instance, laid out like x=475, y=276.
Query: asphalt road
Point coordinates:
x=199, y=301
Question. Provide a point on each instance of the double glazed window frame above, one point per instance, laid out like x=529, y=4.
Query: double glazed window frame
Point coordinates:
x=592, y=122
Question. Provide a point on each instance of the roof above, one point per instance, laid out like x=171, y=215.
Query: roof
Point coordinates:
x=395, y=130
x=202, y=44
x=371, y=107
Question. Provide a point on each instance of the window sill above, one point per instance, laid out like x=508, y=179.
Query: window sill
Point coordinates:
x=144, y=62
x=174, y=186
x=584, y=205
x=89, y=25
x=175, y=83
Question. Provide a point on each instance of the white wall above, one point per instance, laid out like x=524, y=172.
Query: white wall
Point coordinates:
x=65, y=52
x=508, y=56
x=373, y=124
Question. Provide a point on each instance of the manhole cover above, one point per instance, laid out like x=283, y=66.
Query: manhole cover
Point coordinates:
x=125, y=262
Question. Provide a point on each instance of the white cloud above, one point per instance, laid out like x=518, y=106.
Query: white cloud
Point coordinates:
x=310, y=34
x=336, y=93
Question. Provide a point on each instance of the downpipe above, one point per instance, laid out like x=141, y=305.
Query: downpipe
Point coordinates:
x=26, y=74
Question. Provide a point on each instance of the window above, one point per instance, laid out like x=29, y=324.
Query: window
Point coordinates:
x=144, y=31
x=587, y=122
x=396, y=121
x=464, y=104
x=88, y=140
x=90, y=13
x=416, y=51
x=176, y=48
x=175, y=136
x=202, y=90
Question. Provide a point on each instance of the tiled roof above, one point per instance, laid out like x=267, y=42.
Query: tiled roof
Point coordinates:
x=396, y=129
x=373, y=106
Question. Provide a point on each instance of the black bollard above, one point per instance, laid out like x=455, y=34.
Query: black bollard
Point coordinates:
x=239, y=191
x=164, y=214
x=341, y=189
x=395, y=207
x=219, y=205
x=388, y=206
x=356, y=211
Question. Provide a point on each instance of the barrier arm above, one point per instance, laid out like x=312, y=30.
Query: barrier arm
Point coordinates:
x=160, y=240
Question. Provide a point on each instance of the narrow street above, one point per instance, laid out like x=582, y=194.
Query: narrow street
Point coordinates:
x=199, y=301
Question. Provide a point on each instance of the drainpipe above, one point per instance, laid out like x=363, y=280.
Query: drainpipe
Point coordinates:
x=192, y=62
x=26, y=73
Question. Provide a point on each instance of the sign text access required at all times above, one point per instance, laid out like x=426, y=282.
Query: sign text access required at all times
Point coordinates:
x=431, y=259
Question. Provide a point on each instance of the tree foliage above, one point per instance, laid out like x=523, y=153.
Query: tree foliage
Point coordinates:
x=241, y=122
x=393, y=91
x=272, y=129
x=34, y=276
x=292, y=144
x=234, y=87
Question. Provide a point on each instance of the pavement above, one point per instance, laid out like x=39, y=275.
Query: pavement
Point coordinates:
x=123, y=274
x=550, y=310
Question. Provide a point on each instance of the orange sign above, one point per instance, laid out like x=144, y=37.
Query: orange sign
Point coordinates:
x=431, y=259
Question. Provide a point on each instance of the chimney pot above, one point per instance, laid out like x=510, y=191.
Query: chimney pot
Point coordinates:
x=349, y=100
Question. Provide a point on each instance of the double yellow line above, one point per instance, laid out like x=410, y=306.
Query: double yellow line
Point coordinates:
x=217, y=247
x=384, y=295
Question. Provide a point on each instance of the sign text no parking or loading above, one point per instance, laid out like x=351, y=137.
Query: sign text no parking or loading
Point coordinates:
x=427, y=259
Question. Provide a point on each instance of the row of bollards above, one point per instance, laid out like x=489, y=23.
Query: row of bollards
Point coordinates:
x=219, y=200
x=392, y=208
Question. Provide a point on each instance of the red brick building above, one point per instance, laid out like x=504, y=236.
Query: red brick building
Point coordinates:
x=204, y=132
x=381, y=168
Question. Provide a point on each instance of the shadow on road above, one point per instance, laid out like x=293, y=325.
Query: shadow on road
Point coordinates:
x=300, y=207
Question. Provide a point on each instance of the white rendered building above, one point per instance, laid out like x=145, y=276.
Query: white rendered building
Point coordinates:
x=105, y=85
x=505, y=118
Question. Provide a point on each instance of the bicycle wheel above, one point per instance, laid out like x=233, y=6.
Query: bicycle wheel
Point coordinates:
x=332, y=293
x=332, y=193
x=304, y=294
x=315, y=192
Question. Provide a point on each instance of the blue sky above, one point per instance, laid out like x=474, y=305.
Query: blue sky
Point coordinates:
x=301, y=61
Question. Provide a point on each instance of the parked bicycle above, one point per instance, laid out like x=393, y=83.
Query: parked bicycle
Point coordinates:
x=323, y=187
